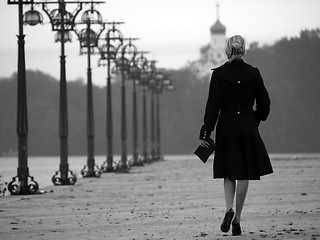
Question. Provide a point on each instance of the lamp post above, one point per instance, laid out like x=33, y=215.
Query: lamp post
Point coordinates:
x=134, y=73
x=19, y=183
x=136, y=66
x=108, y=53
x=123, y=65
x=144, y=80
x=152, y=86
x=158, y=90
x=88, y=42
x=63, y=23
x=158, y=130
x=163, y=83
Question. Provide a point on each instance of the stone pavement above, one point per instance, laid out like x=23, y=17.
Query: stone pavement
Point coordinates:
x=171, y=199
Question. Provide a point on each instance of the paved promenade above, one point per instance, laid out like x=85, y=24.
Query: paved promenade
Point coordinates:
x=172, y=199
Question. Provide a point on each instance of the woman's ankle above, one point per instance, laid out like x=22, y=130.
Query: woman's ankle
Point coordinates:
x=229, y=210
x=237, y=219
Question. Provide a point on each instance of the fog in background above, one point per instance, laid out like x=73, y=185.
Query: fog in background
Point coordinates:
x=172, y=30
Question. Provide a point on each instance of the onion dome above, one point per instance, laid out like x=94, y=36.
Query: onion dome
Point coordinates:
x=218, y=27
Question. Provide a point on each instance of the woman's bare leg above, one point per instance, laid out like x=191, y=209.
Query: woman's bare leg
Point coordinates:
x=229, y=191
x=241, y=193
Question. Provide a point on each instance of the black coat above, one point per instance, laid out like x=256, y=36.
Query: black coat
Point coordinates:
x=234, y=89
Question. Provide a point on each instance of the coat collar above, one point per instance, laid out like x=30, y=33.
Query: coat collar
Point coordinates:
x=234, y=63
x=236, y=72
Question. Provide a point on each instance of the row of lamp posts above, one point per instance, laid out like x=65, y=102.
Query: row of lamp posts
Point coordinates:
x=118, y=57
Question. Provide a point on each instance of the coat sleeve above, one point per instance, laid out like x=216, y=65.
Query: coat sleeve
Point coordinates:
x=262, y=101
x=212, y=108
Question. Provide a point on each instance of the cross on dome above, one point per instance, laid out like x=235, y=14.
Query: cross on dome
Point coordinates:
x=218, y=27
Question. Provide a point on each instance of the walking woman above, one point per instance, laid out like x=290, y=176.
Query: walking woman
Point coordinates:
x=240, y=156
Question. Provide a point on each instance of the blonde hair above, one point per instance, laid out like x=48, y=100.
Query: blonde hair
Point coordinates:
x=235, y=47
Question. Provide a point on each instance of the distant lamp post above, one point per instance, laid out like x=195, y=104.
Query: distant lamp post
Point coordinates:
x=163, y=83
x=108, y=54
x=134, y=73
x=20, y=183
x=143, y=81
x=88, y=42
x=158, y=90
x=152, y=86
x=128, y=52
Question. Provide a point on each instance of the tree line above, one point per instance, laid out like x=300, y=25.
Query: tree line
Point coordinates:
x=289, y=68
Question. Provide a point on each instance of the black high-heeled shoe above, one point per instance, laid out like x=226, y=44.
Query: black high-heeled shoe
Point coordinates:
x=236, y=228
x=225, y=226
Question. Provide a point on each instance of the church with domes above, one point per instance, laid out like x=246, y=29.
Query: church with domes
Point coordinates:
x=213, y=54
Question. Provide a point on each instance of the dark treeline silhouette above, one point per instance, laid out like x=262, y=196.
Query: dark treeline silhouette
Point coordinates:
x=290, y=69
x=292, y=75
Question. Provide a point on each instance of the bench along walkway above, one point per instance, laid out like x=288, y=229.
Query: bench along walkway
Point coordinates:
x=172, y=199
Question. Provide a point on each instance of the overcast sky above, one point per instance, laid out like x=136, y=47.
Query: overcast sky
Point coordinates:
x=172, y=30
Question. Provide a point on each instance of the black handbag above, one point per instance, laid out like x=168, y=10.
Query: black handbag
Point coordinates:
x=205, y=152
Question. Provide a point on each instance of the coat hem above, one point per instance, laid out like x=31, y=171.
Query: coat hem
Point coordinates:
x=237, y=178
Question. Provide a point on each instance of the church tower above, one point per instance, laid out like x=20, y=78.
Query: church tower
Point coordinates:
x=213, y=54
x=217, y=48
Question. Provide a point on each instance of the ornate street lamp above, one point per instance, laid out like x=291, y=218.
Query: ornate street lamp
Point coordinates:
x=88, y=42
x=158, y=90
x=134, y=73
x=128, y=53
x=152, y=86
x=136, y=66
x=143, y=81
x=108, y=54
x=63, y=23
x=20, y=183
x=162, y=83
